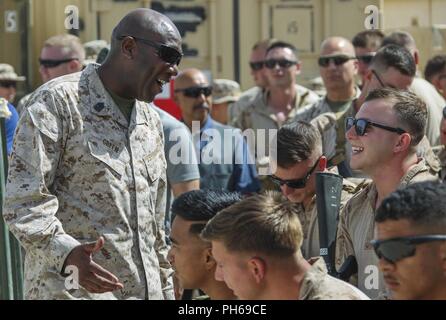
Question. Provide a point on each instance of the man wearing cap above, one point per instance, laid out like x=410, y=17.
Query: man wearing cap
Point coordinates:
x=224, y=93
x=93, y=49
x=8, y=82
x=61, y=55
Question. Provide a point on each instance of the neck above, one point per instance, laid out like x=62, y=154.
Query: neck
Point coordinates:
x=286, y=279
x=282, y=99
x=107, y=73
x=217, y=290
x=342, y=94
x=387, y=178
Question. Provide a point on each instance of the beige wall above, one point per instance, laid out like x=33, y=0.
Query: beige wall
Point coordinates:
x=304, y=23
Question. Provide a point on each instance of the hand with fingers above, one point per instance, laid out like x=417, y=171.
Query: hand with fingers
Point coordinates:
x=92, y=277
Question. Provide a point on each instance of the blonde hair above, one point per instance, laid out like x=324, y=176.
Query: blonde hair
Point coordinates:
x=265, y=223
x=71, y=46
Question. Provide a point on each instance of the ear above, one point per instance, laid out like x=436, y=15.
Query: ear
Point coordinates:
x=257, y=268
x=403, y=143
x=128, y=47
x=298, y=67
x=322, y=163
x=208, y=259
x=368, y=75
x=416, y=56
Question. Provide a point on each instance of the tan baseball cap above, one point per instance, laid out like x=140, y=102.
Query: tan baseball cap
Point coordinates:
x=7, y=73
x=224, y=90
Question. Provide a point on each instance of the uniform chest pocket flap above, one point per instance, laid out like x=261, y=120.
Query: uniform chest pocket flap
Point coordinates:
x=156, y=166
x=102, y=154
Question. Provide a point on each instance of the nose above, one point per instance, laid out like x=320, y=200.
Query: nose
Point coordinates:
x=286, y=190
x=351, y=134
x=385, y=265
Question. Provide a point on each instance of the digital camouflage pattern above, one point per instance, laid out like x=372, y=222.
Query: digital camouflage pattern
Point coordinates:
x=78, y=171
x=317, y=284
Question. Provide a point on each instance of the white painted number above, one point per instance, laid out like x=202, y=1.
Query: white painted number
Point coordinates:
x=11, y=21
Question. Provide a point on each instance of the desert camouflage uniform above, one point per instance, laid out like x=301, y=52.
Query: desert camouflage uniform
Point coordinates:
x=243, y=102
x=318, y=285
x=441, y=153
x=78, y=171
x=309, y=220
x=356, y=230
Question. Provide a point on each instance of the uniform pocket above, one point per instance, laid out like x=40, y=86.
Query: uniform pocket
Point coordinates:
x=116, y=165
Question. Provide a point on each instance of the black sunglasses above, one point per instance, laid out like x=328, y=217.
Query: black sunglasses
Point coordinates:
x=167, y=54
x=396, y=249
x=295, y=183
x=195, y=92
x=337, y=60
x=283, y=63
x=48, y=63
x=366, y=58
x=8, y=84
x=257, y=65
x=362, y=124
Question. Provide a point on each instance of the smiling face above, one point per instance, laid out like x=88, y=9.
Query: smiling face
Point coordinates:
x=421, y=276
x=149, y=71
x=375, y=149
x=188, y=255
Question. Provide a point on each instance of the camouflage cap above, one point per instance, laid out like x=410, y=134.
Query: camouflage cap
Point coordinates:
x=92, y=50
x=224, y=90
x=7, y=73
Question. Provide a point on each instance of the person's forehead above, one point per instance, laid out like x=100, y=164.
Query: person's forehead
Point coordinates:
x=281, y=53
x=180, y=228
x=337, y=48
x=395, y=78
x=396, y=228
x=377, y=110
x=362, y=51
x=53, y=52
x=289, y=173
x=195, y=79
x=258, y=54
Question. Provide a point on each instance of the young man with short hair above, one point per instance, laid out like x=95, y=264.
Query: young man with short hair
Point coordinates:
x=191, y=256
x=256, y=244
x=411, y=242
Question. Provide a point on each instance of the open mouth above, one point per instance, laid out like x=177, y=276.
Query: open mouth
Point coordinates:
x=357, y=150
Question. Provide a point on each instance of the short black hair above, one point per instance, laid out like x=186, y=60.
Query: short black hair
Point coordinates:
x=422, y=203
x=396, y=57
x=296, y=142
x=202, y=205
x=435, y=65
x=368, y=39
x=282, y=44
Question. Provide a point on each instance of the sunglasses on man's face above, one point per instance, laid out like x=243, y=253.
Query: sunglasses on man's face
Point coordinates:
x=283, y=63
x=48, y=63
x=8, y=84
x=167, y=54
x=195, y=92
x=256, y=66
x=396, y=249
x=362, y=124
x=295, y=183
x=337, y=60
x=366, y=58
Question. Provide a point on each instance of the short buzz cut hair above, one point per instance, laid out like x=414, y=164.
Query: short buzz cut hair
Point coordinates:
x=422, y=203
x=282, y=44
x=296, y=142
x=368, y=39
x=265, y=224
x=400, y=38
x=396, y=57
x=434, y=66
x=70, y=44
x=266, y=43
x=410, y=110
x=202, y=205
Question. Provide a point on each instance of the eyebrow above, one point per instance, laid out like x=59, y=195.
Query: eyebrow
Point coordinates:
x=173, y=240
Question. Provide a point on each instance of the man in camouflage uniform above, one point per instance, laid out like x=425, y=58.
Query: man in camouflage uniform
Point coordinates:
x=338, y=68
x=441, y=149
x=86, y=184
x=224, y=94
x=299, y=157
x=256, y=244
x=384, y=138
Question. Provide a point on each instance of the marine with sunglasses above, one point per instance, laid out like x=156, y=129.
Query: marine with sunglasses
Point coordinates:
x=410, y=242
x=338, y=67
x=61, y=54
x=384, y=136
x=86, y=187
x=299, y=157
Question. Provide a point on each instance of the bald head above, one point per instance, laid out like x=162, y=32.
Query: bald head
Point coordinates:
x=190, y=77
x=147, y=24
x=337, y=45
